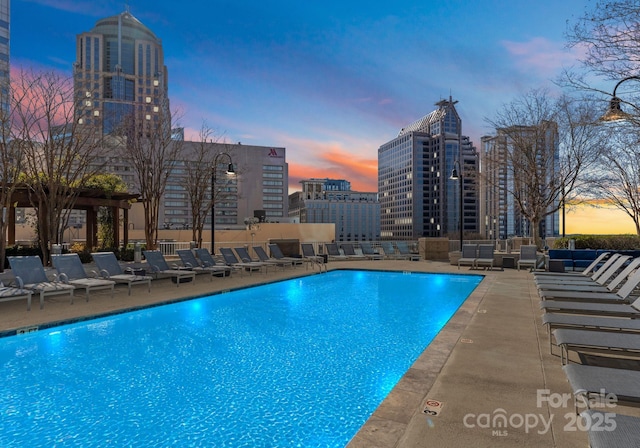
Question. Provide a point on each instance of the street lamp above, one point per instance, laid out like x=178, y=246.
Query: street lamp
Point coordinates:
x=458, y=176
x=615, y=112
x=214, y=169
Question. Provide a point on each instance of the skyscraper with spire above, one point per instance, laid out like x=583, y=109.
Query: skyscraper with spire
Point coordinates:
x=417, y=196
x=119, y=71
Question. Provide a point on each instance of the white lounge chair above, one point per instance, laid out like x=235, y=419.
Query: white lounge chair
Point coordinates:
x=29, y=274
x=190, y=261
x=159, y=266
x=109, y=268
x=8, y=293
x=71, y=271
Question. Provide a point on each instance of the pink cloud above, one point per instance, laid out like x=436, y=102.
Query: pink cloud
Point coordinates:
x=542, y=55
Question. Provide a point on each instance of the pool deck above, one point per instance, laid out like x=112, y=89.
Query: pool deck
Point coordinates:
x=491, y=359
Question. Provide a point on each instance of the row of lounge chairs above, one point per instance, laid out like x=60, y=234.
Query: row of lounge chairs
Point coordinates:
x=596, y=315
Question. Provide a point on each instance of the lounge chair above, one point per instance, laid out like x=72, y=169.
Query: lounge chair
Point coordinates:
x=29, y=274
x=350, y=252
x=389, y=250
x=334, y=253
x=263, y=257
x=276, y=253
x=367, y=251
x=594, y=266
x=605, y=342
x=310, y=254
x=603, y=309
x=243, y=255
x=206, y=259
x=468, y=255
x=109, y=268
x=622, y=295
x=625, y=434
x=588, y=322
x=528, y=256
x=485, y=256
x=231, y=260
x=595, y=282
x=71, y=271
x=405, y=253
x=8, y=293
x=594, y=383
x=159, y=266
x=190, y=261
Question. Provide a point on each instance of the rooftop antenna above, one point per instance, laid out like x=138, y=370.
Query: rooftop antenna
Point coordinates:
x=126, y=7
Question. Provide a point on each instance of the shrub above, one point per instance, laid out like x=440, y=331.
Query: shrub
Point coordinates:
x=611, y=242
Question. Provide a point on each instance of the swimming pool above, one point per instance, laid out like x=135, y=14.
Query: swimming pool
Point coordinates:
x=302, y=362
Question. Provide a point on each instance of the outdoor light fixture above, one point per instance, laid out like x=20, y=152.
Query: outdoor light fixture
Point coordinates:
x=230, y=171
x=615, y=112
x=455, y=175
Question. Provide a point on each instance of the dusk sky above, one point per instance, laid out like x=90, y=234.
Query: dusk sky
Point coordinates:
x=330, y=81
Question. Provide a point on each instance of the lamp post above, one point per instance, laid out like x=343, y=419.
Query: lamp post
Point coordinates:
x=214, y=170
x=615, y=112
x=458, y=176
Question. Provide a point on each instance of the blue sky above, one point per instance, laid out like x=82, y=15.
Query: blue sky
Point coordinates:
x=331, y=81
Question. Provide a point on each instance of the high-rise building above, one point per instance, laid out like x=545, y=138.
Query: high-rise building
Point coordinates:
x=417, y=198
x=355, y=214
x=259, y=188
x=5, y=32
x=119, y=71
x=501, y=216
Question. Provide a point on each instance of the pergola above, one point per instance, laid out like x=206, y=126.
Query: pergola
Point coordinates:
x=88, y=200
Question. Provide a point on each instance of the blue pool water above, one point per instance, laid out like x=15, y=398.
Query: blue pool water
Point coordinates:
x=297, y=363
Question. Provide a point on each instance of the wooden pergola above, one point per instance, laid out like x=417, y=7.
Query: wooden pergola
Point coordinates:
x=89, y=200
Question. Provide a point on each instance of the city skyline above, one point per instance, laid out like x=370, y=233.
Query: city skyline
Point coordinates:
x=330, y=83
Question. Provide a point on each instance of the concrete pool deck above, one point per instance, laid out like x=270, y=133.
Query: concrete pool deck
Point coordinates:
x=491, y=359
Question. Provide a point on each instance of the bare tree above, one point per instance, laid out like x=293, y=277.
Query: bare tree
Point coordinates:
x=202, y=156
x=546, y=145
x=146, y=141
x=618, y=181
x=59, y=154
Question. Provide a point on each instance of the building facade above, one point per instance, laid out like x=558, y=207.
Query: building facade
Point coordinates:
x=119, y=71
x=355, y=214
x=501, y=216
x=417, y=198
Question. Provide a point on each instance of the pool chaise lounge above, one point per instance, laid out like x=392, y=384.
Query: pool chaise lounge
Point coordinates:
x=8, y=293
x=604, y=309
x=309, y=254
x=592, y=383
x=334, y=253
x=189, y=260
x=71, y=271
x=485, y=256
x=622, y=295
x=262, y=255
x=231, y=260
x=367, y=251
x=276, y=253
x=109, y=268
x=350, y=252
x=405, y=253
x=606, y=342
x=595, y=283
x=29, y=274
x=206, y=259
x=243, y=255
x=159, y=266
x=626, y=433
